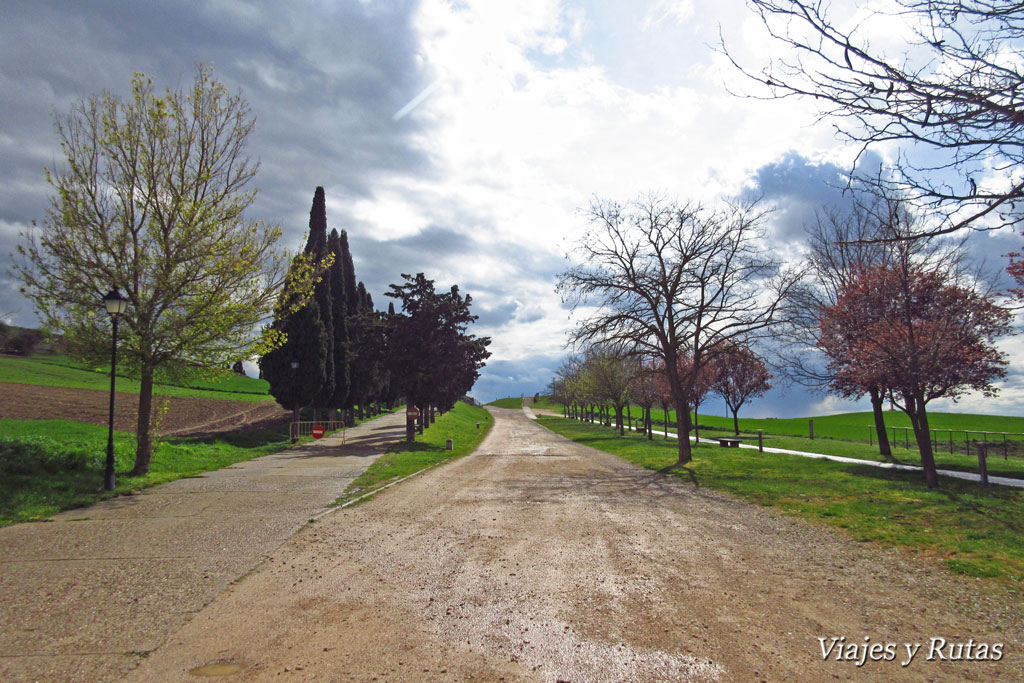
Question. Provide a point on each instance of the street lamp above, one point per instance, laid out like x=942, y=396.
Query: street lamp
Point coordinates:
x=115, y=305
x=295, y=409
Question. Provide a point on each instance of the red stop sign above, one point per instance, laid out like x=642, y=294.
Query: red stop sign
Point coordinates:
x=318, y=431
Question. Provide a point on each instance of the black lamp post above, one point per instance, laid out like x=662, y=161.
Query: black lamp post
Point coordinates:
x=295, y=410
x=115, y=305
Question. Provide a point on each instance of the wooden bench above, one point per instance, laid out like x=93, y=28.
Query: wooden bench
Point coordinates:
x=729, y=441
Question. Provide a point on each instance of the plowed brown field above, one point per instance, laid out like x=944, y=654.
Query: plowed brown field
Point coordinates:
x=184, y=416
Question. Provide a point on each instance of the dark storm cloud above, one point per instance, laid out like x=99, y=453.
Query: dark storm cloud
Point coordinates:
x=503, y=378
x=322, y=78
x=439, y=251
x=797, y=187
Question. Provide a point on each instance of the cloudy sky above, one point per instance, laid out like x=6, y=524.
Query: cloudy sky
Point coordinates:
x=459, y=139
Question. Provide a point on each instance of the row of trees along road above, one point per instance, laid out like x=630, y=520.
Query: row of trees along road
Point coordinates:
x=604, y=379
x=680, y=284
x=337, y=352
x=870, y=313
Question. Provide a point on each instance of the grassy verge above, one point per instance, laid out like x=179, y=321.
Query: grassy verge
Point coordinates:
x=849, y=426
x=973, y=531
x=507, y=403
x=57, y=371
x=459, y=425
x=997, y=465
x=51, y=465
x=1012, y=466
x=546, y=403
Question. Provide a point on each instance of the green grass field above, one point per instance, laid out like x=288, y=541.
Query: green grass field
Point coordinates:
x=507, y=403
x=58, y=371
x=459, y=425
x=51, y=465
x=856, y=426
x=546, y=403
x=973, y=531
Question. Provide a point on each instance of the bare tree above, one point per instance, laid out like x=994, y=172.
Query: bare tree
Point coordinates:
x=670, y=280
x=951, y=100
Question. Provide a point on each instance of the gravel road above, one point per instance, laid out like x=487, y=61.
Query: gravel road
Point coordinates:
x=538, y=559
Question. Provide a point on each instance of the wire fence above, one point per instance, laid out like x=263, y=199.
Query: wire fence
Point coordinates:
x=1006, y=444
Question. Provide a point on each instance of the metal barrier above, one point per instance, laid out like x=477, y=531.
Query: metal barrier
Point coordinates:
x=1002, y=443
x=297, y=430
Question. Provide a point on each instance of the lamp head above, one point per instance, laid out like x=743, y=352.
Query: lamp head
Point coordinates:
x=115, y=303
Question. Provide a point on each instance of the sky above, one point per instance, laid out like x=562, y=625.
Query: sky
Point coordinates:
x=458, y=139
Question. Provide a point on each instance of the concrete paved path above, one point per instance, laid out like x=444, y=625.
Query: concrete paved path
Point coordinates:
x=83, y=597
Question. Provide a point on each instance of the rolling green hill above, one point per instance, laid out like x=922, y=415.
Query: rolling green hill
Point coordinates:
x=59, y=371
x=507, y=403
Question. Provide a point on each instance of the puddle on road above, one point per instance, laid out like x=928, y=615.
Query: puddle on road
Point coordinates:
x=216, y=670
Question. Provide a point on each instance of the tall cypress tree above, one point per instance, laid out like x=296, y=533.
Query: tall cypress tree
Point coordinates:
x=296, y=387
x=364, y=349
x=316, y=246
x=339, y=315
x=352, y=297
x=352, y=308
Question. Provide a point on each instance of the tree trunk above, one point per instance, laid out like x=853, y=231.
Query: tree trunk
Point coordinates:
x=696, y=420
x=143, y=437
x=736, y=420
x=883, y=437
x=924, y=441
x=650, y=425
x=683, y=431
x=664, y=412
x=432, y=417
x=629, y=416
x=420, y=420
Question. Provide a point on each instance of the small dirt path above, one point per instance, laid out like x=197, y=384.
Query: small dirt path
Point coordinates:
x=538, y=559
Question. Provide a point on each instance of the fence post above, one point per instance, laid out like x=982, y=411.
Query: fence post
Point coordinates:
x=760, y=441
x=982, y=447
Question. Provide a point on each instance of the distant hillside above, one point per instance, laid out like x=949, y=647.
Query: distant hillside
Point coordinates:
x=59, y=371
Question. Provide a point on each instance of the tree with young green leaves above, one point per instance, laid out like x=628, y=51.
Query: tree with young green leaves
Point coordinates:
x=151, y=200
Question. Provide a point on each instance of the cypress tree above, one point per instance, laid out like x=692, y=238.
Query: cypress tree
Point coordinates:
x=316, y=246
x=352, y=309
x=339, y=308
x=296, y=387
x=352, y=298
x=362, y=363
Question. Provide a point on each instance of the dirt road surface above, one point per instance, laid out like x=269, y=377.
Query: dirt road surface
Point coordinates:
x=537, y=559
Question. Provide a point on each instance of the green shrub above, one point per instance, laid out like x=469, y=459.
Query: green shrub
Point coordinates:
x=41, y=454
